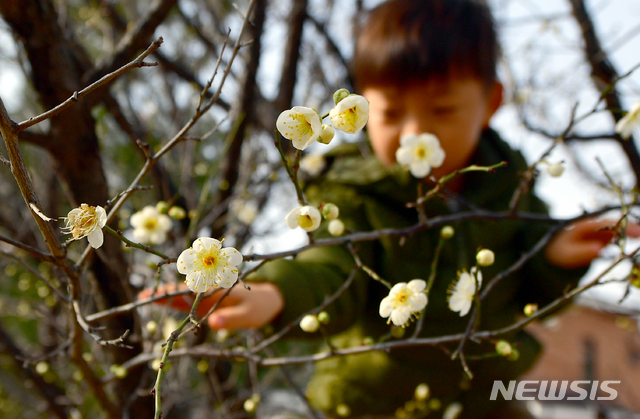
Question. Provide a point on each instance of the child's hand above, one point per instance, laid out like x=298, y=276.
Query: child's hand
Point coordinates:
x=581, y=242
x=241, y=309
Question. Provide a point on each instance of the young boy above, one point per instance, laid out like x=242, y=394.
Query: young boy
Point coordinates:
x=425, y=66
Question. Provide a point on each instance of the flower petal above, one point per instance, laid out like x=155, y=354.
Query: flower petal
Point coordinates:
x=96, y=238
x=233, y=256
x=102, y=216
x=386, y=306
x=400, y=316
x=417, y=285
x=291, y=218
x=185, y=263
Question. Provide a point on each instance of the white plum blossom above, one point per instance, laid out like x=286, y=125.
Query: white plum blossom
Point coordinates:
x=150, y=226
x=350, y=114
x=86, y=221
x=463, y=292
x=420, y=153
x=630, y=122
x=313, y=164
x=301, y=125
x=308, y=218
x=404, y=300
x=207, y=264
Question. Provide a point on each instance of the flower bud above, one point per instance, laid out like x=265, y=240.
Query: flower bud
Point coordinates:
x=330, y=211
x=118, y=370
x=368, y=340
x=530, y=308
x=422, y=392
x=503, y=348
x=336, y=228
x=397, y=332
x=485, y=257
x=555, y=169
x=202, y=366
x=435, y=404
x=42, y=367
x=162, y=207
x=343, y=410
x=339, y=95
x=152, y=327
x=177, y=213
x=222, y=335
x=250, y=405
x=309, y=323
x=323, y=317
x=514, y=355
x=447, y=232
x=326, y=134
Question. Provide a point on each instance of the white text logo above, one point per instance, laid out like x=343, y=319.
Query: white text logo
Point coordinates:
x=555, y=390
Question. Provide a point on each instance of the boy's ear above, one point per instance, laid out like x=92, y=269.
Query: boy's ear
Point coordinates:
x=494, y=100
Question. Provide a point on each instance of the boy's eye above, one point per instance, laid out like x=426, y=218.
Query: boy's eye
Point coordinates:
x=392, y=114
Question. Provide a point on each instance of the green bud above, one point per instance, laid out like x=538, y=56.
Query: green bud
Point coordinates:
x=368, y=340
x=118, y=370
x=202, y=366
x=323, y=317
x=530, y=308
x=330, y=211
x=435, y=404
x=177, y=213
x=447, y=232
x=514, y=355
x=503, y=348
x=340, y=94
x=397, y=332
x=162, y=207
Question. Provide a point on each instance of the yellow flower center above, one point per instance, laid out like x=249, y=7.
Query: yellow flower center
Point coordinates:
x=209, y=260
x=304, y=221
x=350, y=117
x=150, y=224
x=421, y=152
x=303, y=126
x=401, y=298
x=85, y=222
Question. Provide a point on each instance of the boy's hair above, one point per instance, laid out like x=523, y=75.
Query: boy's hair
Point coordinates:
x=412, y=40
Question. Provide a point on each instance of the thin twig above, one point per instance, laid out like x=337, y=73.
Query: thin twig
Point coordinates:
x=137, y=63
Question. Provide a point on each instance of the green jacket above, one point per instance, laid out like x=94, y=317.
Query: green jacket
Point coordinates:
x=372, y=197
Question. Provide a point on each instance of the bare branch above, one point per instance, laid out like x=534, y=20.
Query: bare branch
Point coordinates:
x=137, y=63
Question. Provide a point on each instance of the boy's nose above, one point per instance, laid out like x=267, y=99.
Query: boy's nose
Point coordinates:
x=414, y=125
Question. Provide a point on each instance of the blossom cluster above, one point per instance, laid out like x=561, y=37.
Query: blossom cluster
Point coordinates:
x=302, y=125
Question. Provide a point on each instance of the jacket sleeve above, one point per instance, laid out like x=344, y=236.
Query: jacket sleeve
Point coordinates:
x=318, y=273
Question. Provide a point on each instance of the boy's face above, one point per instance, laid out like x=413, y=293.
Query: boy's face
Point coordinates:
x=455, y=109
